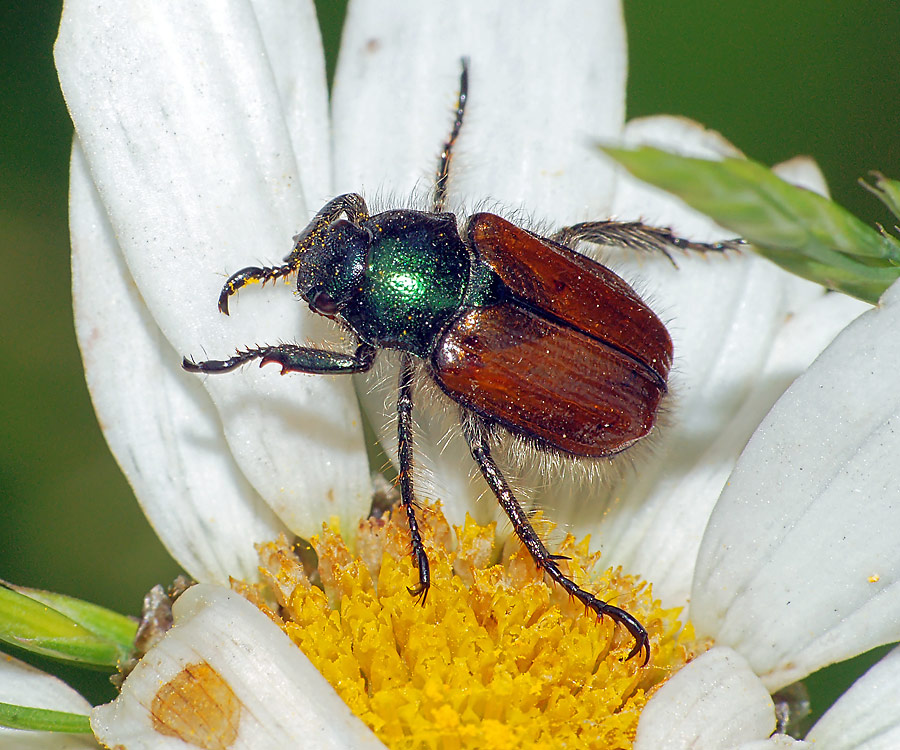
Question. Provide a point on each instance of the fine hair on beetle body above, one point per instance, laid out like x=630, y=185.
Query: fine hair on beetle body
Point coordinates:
x=541, y=351
x=529, y=466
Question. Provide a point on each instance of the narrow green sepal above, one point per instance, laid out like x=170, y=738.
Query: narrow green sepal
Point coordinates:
x=43, y=719
x=799, y=230
x=99, y=620
x=886, y=190
x=37, y=627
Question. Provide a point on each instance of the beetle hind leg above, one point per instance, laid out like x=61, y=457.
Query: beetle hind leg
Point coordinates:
x=476, y=434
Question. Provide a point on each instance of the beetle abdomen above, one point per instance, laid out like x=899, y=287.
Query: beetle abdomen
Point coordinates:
x=546, y=381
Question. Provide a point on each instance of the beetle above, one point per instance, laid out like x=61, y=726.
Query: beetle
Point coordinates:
x=525, y=334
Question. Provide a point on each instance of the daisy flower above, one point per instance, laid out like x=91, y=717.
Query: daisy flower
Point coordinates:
x=203, y=143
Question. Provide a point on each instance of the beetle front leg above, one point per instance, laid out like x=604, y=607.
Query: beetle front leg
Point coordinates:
x=476, y=434
x=292, y=358
x=405, y=459
x=249, y=275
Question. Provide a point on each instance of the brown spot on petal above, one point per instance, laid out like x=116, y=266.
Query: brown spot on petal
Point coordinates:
x=199, y=707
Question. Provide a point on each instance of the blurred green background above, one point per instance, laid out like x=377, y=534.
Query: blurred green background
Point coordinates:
x=778, y=79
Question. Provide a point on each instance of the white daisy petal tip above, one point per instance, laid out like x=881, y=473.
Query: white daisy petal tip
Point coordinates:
x=679, y=134
x=803, y=171
x=226, y=677
x=715, y=701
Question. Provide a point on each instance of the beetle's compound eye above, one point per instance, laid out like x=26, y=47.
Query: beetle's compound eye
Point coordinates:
x=330, y=269
x=322, y=302
x=343, y=227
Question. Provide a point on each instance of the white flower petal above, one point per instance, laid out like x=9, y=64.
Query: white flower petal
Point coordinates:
x=776, y=742
x=537, y=96
x=867, y=716
x=23, y=685
x=290, y=34
x=723, y=312
x=179, y=113
x=803, y=171
x=230, y=671
x=798, y=567
x=713, y=702
x=668, y=555
x=537, y=93
x=160, y=425
x=796, y=345
x=20, y=739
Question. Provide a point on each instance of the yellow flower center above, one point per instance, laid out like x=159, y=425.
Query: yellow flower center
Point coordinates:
x=495, y=657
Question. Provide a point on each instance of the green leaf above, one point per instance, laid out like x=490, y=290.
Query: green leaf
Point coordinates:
x=34, y=626
x=803, y=232
x=43, y=719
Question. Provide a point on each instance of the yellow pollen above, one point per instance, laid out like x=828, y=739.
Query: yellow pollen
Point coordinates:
x=495, y=657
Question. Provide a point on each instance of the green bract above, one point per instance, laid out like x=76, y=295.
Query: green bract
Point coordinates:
x=43, y=719
x=799, y=230
x=63, y=627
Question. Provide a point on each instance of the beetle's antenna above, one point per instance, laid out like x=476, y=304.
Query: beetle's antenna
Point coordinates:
x=443, y=171
x=350, y=204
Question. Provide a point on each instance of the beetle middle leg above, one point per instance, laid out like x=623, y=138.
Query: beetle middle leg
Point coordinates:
x=638, y=236
x=405, y=460
x=477, y=436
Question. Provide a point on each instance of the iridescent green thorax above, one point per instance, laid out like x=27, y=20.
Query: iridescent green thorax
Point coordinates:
x=417, y=271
